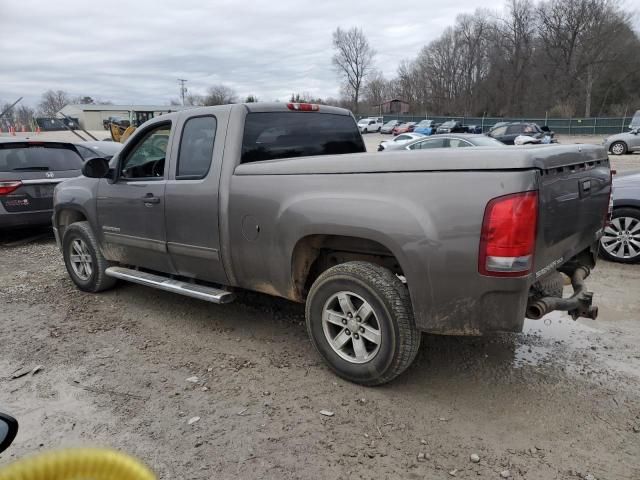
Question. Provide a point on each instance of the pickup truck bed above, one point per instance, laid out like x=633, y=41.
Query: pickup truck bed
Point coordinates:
x=419, y=203
x=380, y=246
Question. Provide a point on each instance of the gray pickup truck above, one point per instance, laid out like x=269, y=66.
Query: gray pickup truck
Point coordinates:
x=282, y=199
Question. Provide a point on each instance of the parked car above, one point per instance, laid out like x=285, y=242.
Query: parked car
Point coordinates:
x=29, y=171
x=399, y=140
x=474, y=129
x=380, y=246
x=389, y=126
x=451, y=126
x=621, y=239
x=92, y=149
x=446, y=141
x=508, y=133
x=425, y=127
x=622, y=143
x=367, y=125
x=403, y=128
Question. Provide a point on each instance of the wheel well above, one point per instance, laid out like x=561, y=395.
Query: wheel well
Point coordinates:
x=314, y=254
x=67, y=217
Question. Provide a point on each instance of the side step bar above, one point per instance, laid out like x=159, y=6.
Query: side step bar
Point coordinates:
x=201, y=292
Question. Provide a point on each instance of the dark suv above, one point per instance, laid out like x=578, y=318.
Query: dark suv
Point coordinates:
x=29, y=171
x=507, y=133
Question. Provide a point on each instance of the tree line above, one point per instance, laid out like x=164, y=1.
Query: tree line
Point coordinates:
x=557, y=57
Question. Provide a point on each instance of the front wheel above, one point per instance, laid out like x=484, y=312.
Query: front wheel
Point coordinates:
x=620, y=241
x=360, y=319
x=83, y=259
x=618, y=148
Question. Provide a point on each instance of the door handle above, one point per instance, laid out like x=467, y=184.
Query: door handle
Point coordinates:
x=150, y=199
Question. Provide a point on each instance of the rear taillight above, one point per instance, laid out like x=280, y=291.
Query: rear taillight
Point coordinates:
x=508, y=237
x=8, y=186
x=303, y=107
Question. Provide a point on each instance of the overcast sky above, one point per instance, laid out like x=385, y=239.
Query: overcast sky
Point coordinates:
x=134, y=52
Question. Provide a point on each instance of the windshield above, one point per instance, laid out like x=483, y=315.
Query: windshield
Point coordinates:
x=424, y=123
x=448, y=124
x=635, y=121
x=38, y=158
x=273, y=135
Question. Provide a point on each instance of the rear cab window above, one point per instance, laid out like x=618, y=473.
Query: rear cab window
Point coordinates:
x=274, y=135
x=38, y=157
x=196, y=148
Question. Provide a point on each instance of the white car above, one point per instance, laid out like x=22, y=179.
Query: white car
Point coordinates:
x=371, y=124
x=399, y=140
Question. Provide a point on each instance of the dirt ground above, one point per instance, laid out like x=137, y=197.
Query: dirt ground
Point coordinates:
x=559, y=401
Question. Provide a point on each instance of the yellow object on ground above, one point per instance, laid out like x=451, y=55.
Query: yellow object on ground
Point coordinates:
x=78, y=464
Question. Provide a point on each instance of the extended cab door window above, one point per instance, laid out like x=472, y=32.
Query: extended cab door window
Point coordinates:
x=146, y=160
x=196, y=148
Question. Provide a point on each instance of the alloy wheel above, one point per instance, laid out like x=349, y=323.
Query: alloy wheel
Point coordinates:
x=80, y=259
x=351, y=327
x=621, y=238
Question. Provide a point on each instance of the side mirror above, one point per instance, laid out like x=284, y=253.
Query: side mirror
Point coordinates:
x=8, y=430
x=96, y=168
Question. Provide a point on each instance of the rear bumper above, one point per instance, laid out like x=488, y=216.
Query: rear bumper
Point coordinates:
x=25, y=219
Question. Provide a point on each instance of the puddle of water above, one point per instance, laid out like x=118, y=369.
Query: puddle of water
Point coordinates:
x=557, y=327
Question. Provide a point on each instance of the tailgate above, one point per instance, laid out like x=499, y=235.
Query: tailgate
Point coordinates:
x=574, y=199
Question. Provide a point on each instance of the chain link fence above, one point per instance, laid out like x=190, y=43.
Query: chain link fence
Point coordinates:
x=563, y=126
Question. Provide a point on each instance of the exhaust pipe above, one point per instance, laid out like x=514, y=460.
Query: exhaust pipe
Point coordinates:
x=578, y=305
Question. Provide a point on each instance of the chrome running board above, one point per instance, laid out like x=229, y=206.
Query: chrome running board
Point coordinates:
x=201, y=292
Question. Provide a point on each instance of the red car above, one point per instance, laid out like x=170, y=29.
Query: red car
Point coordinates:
x=403, y=128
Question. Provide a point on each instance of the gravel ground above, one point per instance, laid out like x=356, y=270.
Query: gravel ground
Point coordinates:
x=561, y=400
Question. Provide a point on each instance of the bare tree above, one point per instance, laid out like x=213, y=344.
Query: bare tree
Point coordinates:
x=24, y=115
x=353, y=59
x=376, y=90
x=220, y=95
x=53, y=101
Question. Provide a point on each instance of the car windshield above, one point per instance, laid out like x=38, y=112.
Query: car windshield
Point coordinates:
x=273, y=135
x=391, y=123
x=424, y=123
x=38, y=158
x=448, y=124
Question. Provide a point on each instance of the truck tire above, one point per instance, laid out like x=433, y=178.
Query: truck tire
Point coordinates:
x=83, y=259
x=360, y=319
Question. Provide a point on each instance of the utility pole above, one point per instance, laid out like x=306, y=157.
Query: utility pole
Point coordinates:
x=183, y=89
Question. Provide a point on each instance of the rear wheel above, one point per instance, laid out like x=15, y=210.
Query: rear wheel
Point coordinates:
x=621, y=239
x=360, y=319
x=618, y=148
x=83, y=259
